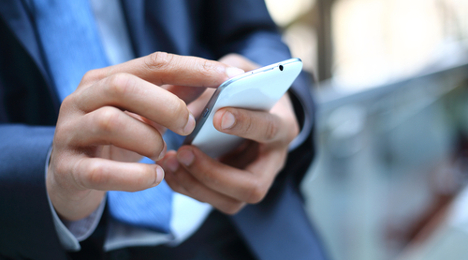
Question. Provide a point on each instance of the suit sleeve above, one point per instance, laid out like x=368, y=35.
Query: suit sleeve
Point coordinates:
x=245, y=27
x=27, y=229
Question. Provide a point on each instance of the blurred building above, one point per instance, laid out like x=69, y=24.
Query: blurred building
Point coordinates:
x=389, y=181
x=368, y=42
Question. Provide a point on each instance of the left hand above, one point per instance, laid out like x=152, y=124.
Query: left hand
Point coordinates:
x=246, y=174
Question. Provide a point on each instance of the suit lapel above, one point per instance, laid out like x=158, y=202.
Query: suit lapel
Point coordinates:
x=18, y=19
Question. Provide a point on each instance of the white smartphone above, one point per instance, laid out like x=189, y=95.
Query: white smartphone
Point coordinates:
x=259, y=89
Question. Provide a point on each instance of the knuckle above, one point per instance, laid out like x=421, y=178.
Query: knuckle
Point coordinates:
x=68, y=102
x=64, y=134
x=247, y=124
x=231, y=208
x=120, y=85
x=256, y=192
x=271, y=131
x=90, y=76
x=231, y=57
x=208, y=67
x=210, y=176
x=72, y=103
x=77, y=174
x=158, y=60
x=95, y=176
x=108, y=119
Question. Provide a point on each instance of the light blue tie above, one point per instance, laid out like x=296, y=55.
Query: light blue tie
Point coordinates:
x=71, y=44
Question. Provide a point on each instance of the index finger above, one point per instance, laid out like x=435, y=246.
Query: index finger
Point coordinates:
x=162, y=68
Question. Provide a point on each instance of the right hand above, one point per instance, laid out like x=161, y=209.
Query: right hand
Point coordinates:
x=116, y=115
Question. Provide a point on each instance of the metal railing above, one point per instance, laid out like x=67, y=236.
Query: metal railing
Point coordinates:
x=386, y=156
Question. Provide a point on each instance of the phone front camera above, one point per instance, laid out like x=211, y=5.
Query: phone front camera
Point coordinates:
x=281, y=67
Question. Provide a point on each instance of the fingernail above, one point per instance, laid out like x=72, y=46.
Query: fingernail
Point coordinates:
x=190, y=124
x=186, y=157
x=228, y=120
x=163, y=152
x=172, y=164
x=233, y=71
x=159, y=175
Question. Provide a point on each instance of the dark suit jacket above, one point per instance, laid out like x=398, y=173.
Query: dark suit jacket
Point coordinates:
x=276, y=228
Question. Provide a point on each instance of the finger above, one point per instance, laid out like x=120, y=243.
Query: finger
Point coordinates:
x=196, y=107
x=162, y=68
x=239, y=61
x=131, y=93
x=102, y=174
x=242, y=185
x=109, y=125
x=271, y=161
x=243, y=155
x=259, y=126
x=187, y=94
x=145, y=120
x=182, y=182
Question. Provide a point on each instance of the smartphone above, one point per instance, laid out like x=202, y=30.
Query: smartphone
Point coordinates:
x=259, y=89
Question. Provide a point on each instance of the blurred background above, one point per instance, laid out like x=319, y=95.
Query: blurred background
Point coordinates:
x=390, y=178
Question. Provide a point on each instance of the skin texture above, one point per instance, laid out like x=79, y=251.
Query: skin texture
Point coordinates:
x=116, y=115
x=245, y=175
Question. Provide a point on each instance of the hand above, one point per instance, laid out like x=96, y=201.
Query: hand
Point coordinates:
x=245, y=175
x=116, y=115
